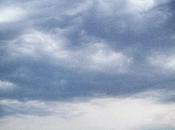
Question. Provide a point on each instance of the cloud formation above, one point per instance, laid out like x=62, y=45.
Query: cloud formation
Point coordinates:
x=6, y=85
x=163, y=61
x=95, y=56
x=101, y=43
x=94, y=114
x=58, y=53
x=11, y=14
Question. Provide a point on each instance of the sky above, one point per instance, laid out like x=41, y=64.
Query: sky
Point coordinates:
x=87, y=65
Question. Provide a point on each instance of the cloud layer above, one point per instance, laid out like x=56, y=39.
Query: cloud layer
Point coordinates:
x=83, y=50
x=102, y=114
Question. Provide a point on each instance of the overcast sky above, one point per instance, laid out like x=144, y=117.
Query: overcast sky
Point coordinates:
x=87, y=65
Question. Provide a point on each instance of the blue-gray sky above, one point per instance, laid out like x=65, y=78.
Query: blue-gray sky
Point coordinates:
x=62, y=61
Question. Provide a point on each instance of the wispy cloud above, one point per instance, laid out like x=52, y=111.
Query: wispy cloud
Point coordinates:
x=6, y=85
x=163, y=61
x=97, y=55
x=11, y=14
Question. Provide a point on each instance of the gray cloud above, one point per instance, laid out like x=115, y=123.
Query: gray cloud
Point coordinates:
x=61, y=50
x=89, y=64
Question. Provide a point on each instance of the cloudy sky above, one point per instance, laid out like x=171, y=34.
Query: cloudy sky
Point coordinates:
x=87, y=65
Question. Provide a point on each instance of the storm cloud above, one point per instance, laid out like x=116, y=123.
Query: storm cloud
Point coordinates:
x=72, y=51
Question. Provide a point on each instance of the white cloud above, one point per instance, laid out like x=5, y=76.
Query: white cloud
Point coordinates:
x=6, y=85
x=126, y=14
x=126, y=6
x=96, y=114
x=137, y=6
x=35, y=44
x=18, y=104
x=79, y=8
x=11, y=14
x=140, y=5
x=97, y=56
x=165, y=62
x=103, y=58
